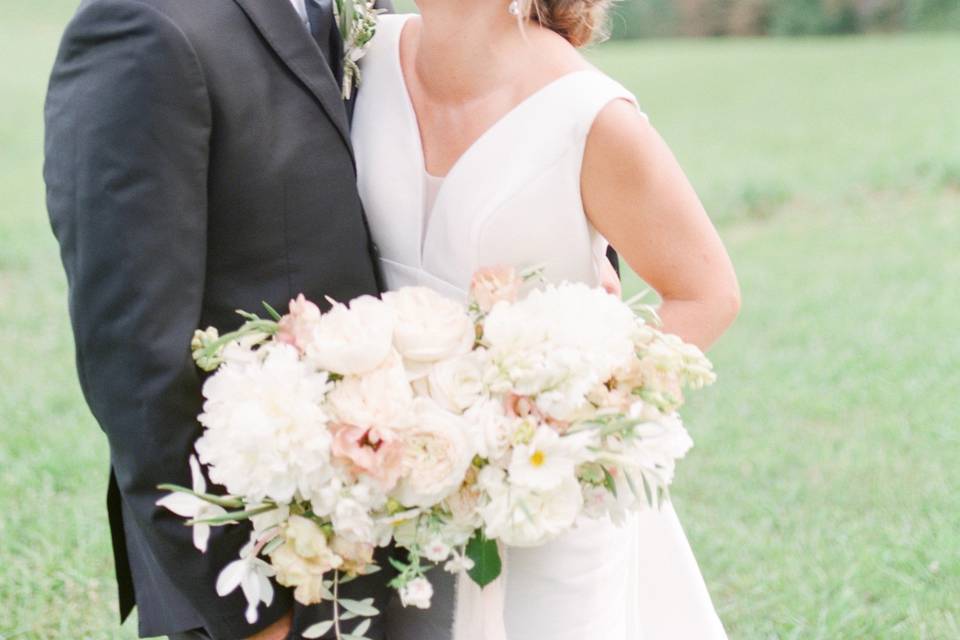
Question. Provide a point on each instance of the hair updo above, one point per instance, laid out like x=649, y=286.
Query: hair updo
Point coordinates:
x=580, y=22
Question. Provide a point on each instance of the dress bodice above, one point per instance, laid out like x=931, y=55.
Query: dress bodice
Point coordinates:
x=512, y=198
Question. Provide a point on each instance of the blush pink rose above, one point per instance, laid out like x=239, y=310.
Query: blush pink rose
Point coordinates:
x=296, y=327
x=491, y=285
x=372, y=451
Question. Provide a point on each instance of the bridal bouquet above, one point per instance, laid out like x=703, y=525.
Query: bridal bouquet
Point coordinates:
x=443, y=428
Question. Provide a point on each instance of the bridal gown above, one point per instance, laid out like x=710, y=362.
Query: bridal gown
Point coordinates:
x=514, y=198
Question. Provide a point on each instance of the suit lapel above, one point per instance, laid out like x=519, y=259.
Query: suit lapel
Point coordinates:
x=281, y=28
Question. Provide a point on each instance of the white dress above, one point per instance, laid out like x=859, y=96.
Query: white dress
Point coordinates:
x=514, y=198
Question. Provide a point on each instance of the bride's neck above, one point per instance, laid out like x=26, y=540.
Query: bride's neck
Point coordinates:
x=464, y=48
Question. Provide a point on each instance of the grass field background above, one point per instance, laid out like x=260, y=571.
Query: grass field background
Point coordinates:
x=822, y=497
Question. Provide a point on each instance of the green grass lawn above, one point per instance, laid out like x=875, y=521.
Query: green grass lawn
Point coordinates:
x=821, y=498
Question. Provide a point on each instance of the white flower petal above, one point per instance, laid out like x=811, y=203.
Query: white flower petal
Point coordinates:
x=182, y=504
x=201, y=536
x=231, y=577
x=199, y=482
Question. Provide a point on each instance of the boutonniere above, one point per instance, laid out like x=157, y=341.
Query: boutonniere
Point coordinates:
x=357, y=21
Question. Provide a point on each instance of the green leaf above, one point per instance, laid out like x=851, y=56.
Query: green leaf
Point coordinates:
x=226, y=502
x=486, y=559
x=360, y=607
x=361, y=628
x=317, y=630
x=273, y=312
x=609, y=482
x=234, y=516
x=272, y=546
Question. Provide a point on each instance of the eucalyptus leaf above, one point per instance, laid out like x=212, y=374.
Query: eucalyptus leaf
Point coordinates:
x=362, y=628
x=486, y=559
x=360, y=607
x=317, y=630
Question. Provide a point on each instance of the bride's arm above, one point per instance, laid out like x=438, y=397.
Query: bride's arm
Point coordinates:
x=637, y=196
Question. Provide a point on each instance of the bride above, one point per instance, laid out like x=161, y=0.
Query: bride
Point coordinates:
x=483, y=137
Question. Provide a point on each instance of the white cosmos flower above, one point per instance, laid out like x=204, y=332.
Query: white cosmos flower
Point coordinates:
x=437, y=454
x=252, y=575
x=548, y=460
x=188, y=506
x=429, y=327
x=352, y=340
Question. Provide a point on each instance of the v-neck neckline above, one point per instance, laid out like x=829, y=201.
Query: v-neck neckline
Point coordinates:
x=420, y=152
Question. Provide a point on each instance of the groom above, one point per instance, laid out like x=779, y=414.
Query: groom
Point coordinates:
x=197, y=161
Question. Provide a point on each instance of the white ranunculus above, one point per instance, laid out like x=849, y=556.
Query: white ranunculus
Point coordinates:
x=456, y=384
x=352, y=340
x=437, y=453
x=491, y=428
x=379, y=398
x=548, y=460
x=429, y=327
x=266, y=434
x=521, y=517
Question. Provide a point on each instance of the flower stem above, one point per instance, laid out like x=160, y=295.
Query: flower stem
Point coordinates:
x=336, y=603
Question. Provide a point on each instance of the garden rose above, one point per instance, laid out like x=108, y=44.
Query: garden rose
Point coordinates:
x=495, y=284
x=429, y=327
x=373, y=451
x=352, y=340
x=437, y=454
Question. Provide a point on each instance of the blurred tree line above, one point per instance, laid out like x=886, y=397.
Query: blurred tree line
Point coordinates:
x=652, y=18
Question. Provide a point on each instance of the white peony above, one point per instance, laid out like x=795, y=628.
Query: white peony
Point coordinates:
x=548, y=460
x=429, y=327
x=522, y=517
x=437, y=454
x=557, y=345
x=352, y=340
x=379, y=398
x=456, y=384
x=266, y=434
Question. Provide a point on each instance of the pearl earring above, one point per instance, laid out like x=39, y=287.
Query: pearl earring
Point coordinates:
x=514, y=8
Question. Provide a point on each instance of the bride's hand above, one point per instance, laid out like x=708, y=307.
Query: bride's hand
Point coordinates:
x=609, y=278
x=279, y=630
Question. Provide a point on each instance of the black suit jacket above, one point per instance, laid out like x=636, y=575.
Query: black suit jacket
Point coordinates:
x=197, y=162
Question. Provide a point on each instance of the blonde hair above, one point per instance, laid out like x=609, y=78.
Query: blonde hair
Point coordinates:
x=580, y=22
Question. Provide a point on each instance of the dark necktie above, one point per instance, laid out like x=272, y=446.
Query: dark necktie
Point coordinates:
x=323, y=28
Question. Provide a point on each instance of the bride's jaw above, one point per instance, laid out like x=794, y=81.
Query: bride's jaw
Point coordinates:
x=461, y=48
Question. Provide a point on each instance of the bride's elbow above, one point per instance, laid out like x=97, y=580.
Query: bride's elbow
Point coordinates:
x=729, y=303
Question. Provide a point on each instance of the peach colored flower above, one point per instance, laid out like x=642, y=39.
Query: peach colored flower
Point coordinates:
x=491, y=285
x=296, y=326
x=373, y=451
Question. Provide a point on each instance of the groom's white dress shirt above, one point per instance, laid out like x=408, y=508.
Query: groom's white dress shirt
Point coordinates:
x=301, y=8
